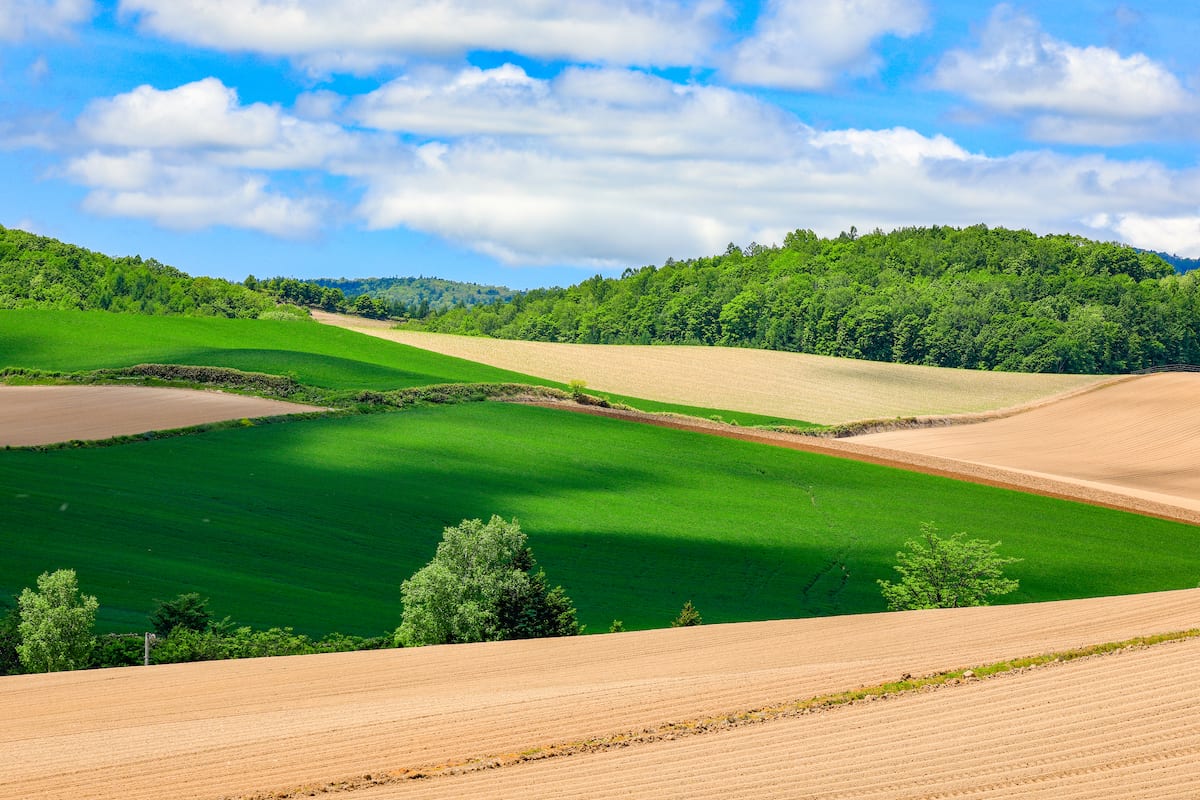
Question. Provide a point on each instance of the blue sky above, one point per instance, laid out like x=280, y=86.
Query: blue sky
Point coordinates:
x=536, y=142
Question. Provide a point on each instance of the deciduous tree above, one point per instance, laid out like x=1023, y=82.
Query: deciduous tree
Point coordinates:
x=482, y=585
x=947, y=573
x=56, y=624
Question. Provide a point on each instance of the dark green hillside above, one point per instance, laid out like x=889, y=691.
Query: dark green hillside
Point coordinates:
x=975, y=297
x=37, y=272
x=315, y=524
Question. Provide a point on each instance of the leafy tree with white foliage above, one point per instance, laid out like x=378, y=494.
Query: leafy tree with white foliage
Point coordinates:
x=56, y=624
x=947, y=573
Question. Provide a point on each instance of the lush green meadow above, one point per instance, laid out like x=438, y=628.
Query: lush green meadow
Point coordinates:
x=315, y=524
x=315, y=354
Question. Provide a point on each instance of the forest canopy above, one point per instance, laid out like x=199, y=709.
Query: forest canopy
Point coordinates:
x=39, y=272
x=976, y=297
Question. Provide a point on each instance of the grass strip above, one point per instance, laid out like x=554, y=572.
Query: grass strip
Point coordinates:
x=677, y=730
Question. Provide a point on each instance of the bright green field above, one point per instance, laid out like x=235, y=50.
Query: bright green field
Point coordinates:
x=315, y=354
x=315, y=524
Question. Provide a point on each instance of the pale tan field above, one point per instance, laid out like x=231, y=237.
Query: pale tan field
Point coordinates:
x=1139, y=437
x=1121, y=725
x=31, y=415
x=789, y=385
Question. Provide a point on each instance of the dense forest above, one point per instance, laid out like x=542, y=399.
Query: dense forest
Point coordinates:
x=418, y=297
x=38, y=272
x=973, y=297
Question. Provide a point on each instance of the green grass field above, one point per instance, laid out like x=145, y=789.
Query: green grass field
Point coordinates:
x=315, y=354
x=315, y=524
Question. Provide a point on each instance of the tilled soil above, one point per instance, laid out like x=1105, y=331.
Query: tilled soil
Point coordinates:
x=1107, y=727
x=1138, y=437
x=34, y=415
x=266, y=726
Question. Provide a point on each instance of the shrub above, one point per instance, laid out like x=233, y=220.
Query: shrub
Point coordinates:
x=688, y=616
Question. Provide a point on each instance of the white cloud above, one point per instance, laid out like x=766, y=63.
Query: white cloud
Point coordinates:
x=23, y=18
x=810, y=44
x=1075, y=94
x=200, y=114
x=188, y=197
x=357, y=36
x=193, y=156
x=581, y=110
x=33, y=131
x=1174, y=234
x=205, y=116
x=606, y=167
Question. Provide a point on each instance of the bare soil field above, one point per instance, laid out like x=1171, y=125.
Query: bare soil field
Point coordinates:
x=33, y=415
x=1118, y=725
x=1139, y=437
x=798, y=386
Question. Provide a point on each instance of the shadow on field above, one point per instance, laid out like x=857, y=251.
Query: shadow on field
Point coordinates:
x=316, y=524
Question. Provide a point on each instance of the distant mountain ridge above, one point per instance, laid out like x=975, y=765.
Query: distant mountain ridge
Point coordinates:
x=417, y=297
x=975, y=297
x=1180, y=263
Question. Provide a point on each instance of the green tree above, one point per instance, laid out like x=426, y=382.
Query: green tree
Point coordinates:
x=482, y=585
x=688, y=616
x=56, y=624
x=947, y=573
x=188, y=611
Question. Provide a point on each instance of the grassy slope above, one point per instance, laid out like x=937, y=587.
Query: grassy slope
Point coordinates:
x=316, y=524
x=315, y=354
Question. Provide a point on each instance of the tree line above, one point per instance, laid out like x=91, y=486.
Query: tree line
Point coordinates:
x=39, y=272
x=976, y=297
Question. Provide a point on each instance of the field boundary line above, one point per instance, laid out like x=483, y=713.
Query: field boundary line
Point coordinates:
x=938, y=466
x=849, y=430
x=669, y=731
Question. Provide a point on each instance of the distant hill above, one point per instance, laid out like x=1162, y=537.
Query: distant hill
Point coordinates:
x=1180, y=263
x=39, y=272
x=973, y=297
x=417, y=297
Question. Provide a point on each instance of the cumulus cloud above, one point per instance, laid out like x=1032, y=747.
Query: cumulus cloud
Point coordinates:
x=1074, y=94
x=194, y=156
x=23, y=18
x=358, y=36
x=206, y=116
x=810, y=44
x=188, y=197
x=602, y=167
x=1176, y=234
x=611, y=168
x=595, y=110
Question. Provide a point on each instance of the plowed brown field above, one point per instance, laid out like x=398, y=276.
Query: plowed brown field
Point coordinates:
x=1139, y=437
x=789, y=385
x=31, y=415
x=1121, y=725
